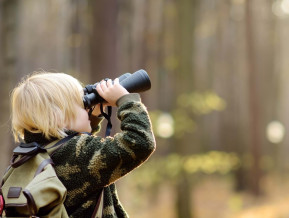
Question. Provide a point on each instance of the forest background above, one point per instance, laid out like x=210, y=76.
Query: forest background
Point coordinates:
x=219, y=98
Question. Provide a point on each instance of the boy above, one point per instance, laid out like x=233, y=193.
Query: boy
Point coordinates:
x=48, y=106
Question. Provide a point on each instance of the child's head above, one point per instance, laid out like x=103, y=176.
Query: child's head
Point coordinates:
x=45, y=103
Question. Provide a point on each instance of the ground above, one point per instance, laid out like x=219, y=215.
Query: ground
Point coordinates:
x=213, y=197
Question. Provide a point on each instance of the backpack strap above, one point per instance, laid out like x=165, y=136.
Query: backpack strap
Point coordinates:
x=50, y=148
x=27, y=151
x=53, y=146
x=19, y=162
x=43, y=165
x=30, y=203
x=31, y=149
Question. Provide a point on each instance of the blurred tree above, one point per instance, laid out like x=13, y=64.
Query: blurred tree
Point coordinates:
x=103, y=39
x=103, y=45
x=186, y=21
x=254, y=105
x=8, y=55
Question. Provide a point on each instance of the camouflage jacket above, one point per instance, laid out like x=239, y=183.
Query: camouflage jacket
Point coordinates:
x=88, y=163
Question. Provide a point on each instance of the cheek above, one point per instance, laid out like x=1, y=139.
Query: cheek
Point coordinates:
x=83, y=116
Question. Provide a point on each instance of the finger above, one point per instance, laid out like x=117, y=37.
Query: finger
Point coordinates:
x=116, y=81
x=109, y=83
x=99, y=88
x=103, y=84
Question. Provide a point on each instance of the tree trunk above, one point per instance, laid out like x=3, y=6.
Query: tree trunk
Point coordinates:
x=186, y=10
x=104, y=46
x=254, y=106
x=103, y=39
x=8, y=55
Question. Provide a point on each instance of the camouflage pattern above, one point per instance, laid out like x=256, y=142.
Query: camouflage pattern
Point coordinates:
x=87, y=163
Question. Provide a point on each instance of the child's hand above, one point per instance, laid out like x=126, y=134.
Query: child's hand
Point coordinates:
x=111, y=92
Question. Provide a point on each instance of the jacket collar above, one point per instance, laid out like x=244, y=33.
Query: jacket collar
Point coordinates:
x=40, y=138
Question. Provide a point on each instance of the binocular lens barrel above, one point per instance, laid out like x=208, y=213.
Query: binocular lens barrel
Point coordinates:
x=136, y=82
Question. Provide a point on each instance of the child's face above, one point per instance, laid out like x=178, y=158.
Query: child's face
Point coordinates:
x=82, y=122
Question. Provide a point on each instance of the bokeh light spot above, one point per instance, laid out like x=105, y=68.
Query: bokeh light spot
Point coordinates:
x=275, y=132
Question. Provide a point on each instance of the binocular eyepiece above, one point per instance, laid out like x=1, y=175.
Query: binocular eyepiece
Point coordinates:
x=136, y=82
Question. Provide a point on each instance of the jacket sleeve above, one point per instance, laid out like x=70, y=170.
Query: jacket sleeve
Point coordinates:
x=104, y=160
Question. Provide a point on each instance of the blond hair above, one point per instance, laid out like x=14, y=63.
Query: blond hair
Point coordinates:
x=45, y=103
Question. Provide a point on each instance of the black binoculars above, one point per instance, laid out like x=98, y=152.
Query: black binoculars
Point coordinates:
x=136, y=82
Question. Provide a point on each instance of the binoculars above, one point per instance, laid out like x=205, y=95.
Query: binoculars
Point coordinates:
x=139, y=81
